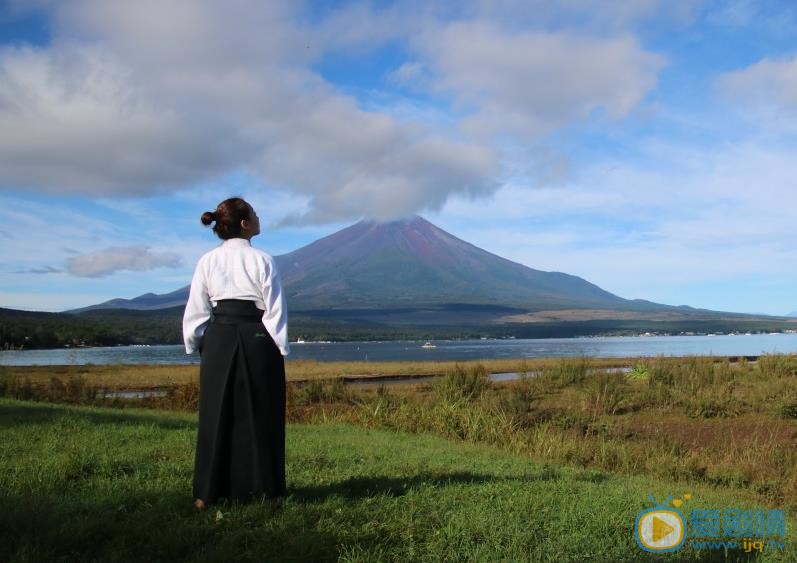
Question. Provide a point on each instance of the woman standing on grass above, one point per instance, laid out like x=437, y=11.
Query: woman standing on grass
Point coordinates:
x=236, y=318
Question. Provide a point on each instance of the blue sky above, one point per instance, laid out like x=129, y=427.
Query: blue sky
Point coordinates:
x=645, y=146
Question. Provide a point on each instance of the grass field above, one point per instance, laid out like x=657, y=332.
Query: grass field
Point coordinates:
x=694, y=419
x=690, y=419
x=96, y=484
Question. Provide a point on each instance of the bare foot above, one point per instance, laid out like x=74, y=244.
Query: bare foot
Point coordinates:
x=199, y=504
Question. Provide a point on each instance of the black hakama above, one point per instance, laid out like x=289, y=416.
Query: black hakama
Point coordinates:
x=240, y=450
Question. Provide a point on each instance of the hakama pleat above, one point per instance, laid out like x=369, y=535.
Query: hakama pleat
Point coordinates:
x=241, y=438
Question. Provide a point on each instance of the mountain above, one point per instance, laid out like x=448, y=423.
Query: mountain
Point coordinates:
x=412, y=272
x=400, y=280
x=409, y=263
x=146, y=302
x=413, y=263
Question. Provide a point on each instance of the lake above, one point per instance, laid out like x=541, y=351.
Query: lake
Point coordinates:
x=598, y=347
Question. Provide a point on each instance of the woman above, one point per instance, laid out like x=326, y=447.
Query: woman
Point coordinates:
x=236, y=318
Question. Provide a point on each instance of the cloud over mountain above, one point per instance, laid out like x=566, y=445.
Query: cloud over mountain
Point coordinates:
x=141, y=98
x=110, y=260
x=218, y=89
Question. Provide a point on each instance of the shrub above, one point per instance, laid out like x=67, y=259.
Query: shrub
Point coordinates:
x=184, y=397
x=573, y=423
x=79, y=391
x=604, y=393
x=789, y=410
x=714, y=402
x=463, y=420
x=572, y=370
x=787, y=406
x=661, y=371
x=318, y=392
x=75, y=390
x=778, y=365
x=313, y=392
x=462, y=383
x=567, y=371
x=518, y=399
x=696, y=374
x=22, y=389
x=640, y=371
x=56, y=390
x=658, y=394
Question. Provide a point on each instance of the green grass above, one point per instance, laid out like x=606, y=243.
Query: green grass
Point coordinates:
x=691, y=419
x=92, y=484
x=697, y=419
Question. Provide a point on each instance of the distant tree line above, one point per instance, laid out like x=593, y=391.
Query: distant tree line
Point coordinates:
x=23, y=329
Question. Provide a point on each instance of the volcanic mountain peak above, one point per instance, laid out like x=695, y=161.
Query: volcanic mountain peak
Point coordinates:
x=412, y=263
x=418, y=237
x=415, y=235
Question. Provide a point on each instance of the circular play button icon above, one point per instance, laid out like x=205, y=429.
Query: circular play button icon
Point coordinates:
x=659, y=530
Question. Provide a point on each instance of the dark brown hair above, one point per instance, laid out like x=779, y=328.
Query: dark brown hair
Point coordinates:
x=228, y=216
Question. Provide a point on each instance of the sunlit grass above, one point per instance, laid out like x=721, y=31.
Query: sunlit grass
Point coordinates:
x=690, y=419
x=93, y=484
x=694, y=420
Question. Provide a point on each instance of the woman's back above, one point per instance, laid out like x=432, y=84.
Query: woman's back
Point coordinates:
x=236, y=317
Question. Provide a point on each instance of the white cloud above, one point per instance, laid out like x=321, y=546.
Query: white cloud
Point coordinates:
x=37, y=225
x=734, y=13
x=599, y=15
x=357, y=26
x=706, y=217
x=140, y=97
x=110, y=260
x=80, y=124
x=534, y=82
x=774, y=19
x=42, y=270
x=145, y=97
x=767, y=82
x=413, y=75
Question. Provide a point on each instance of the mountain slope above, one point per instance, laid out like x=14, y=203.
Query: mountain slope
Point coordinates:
x=413, y=264
x=146, y=302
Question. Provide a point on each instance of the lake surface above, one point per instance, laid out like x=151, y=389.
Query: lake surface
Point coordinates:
x=599, y=347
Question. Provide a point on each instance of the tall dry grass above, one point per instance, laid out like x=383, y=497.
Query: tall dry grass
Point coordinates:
x=691, y=419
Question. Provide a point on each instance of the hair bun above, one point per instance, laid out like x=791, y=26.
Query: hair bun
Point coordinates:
x=207, y=218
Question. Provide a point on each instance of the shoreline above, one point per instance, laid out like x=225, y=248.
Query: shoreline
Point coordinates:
x=300, y=343
x=156, y=378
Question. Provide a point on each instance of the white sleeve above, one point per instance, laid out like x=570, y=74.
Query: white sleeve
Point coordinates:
x=197, y=312
x=275, y=318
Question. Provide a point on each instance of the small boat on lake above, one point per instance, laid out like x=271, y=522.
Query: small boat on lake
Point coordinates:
x=428, y=345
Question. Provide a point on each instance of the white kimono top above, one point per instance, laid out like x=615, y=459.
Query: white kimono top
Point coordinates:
x=235, y=270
